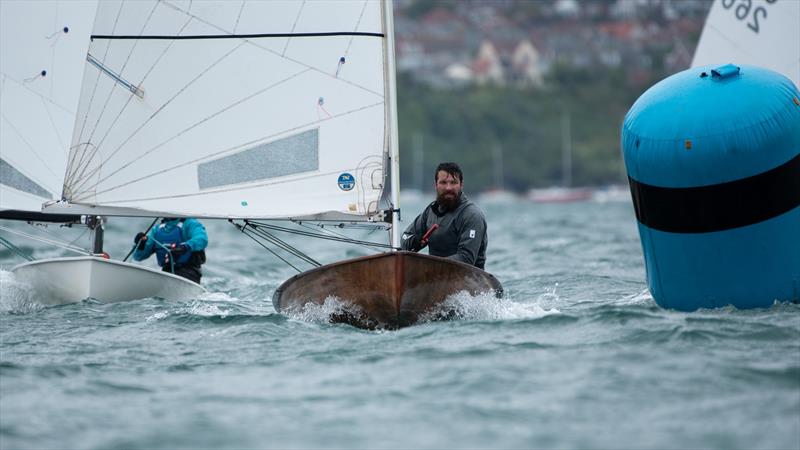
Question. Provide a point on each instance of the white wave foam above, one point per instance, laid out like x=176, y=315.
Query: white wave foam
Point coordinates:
x=200, y=307
x=216, y=297
x=157, y=316
x=322, y=313
x=16, y=296
x=459, y=306
x=203, y=309
x=640, y=298
x=485, y=306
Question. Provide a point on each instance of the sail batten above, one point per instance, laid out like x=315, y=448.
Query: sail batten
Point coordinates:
x=236, y=36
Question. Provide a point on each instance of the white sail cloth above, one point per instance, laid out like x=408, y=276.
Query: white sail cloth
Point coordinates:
x=231, y=109
x=42, y=55
x=763, y=33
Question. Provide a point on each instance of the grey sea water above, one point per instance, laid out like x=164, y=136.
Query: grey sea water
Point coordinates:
x=577, y=355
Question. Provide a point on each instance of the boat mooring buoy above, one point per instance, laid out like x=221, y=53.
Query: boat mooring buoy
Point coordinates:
x=713, y=161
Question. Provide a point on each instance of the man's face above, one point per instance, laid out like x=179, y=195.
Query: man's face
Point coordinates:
x=448, y=189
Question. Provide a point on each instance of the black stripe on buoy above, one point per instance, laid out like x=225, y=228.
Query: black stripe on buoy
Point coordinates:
x=721, y=206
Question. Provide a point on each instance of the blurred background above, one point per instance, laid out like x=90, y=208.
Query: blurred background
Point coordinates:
x=530, y=94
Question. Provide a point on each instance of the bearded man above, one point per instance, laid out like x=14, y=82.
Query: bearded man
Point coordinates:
x=452, y=226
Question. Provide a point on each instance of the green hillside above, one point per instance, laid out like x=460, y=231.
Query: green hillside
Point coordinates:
x=464, y=125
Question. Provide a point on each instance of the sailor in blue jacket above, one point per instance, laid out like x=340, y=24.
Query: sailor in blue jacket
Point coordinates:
x=179, y=245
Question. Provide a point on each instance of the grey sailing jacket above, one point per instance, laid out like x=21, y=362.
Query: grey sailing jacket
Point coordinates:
x=461, y=234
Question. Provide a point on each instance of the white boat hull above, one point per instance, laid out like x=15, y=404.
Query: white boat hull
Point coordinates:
x=74, y=279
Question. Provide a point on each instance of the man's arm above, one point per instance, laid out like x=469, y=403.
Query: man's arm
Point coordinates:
x=197, y=236
x=472, y=229
x=410, y=240
x=148, y=249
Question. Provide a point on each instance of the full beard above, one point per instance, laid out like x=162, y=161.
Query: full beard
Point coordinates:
x=447, y=203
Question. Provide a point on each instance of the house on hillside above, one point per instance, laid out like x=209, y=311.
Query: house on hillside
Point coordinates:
x=526, y=67
x=487, y=66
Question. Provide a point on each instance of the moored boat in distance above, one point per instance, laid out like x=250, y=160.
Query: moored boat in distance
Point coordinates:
x=497, y=196
x=416, y=285
x=559, y=195
x=611, y=194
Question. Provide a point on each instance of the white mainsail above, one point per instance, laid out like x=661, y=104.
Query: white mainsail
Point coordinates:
x=42, y=55
x=221, y=109
x=764, y=33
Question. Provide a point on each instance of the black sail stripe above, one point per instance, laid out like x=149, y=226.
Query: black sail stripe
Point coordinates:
x=721, y=206
x=235, y=36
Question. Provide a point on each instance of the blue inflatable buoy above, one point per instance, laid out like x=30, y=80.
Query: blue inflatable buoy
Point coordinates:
x=713, y=161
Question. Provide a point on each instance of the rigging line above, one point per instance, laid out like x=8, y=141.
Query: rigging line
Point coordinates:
x=33, y=150
x=80, y=236
x=78, y=188
x=294, y=25
x=221, y=152
x=285, y=246
x=117, y=81
x=9, y=245
x=55, y=128
x=248, y=234
x=37, y=94
x=46, y=241
x=144, y=78
x=347, y=240
x=366, y=163
x=236, y=25
x=46, y=231
x=358, y=23
x=127, y=102
x=72, y=166
x=196, y=124
x=340, y=235
x=268, y=50
x=111, y=94
x=53, y=53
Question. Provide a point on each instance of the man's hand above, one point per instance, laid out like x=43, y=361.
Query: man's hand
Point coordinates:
x=178, y=250
x=424, y=241
x=140, y=240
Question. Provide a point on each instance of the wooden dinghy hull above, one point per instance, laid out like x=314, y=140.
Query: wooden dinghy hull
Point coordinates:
x=388, y=290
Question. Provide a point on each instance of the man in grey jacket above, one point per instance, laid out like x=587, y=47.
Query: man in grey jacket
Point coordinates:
x=452, y=226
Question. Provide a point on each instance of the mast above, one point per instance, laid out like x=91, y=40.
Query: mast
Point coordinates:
x=391, y=122
x=498, y=167
x=566, y=150
x=95, y=223
x=418, y=162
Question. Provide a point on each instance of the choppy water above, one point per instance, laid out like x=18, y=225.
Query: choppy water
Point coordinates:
x=576, y=356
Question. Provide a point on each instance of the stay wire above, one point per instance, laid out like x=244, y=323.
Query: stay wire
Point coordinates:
x=284, y=246
x=342, y=235
x=47, y=241
x=247, y=233
x=319, y=235
x=9, y=245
